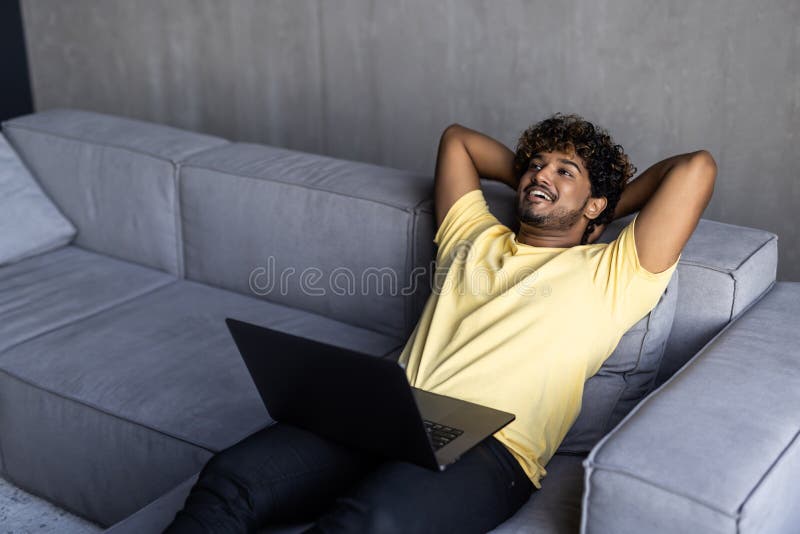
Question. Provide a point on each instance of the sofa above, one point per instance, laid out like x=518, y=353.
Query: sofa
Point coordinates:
x=119, y=380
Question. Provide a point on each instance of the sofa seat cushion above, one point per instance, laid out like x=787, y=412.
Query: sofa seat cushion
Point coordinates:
x=556, y=508
x=117, y=408
x=50, y=290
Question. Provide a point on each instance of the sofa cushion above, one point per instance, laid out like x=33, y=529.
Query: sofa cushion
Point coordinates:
x=113, y=178
x=340, y=232
x=29, y=223
x=724, y=268
x=117, y=408
x=556, y=507
x=48, y=291
x=726, y=429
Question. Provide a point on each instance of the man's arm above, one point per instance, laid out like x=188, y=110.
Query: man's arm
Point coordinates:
x=464, y=157
x=670, y=197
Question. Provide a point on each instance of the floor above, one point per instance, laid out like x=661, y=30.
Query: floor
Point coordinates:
x=23, y=513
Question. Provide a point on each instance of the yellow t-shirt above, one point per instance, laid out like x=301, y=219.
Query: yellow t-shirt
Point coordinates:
x=521, y=328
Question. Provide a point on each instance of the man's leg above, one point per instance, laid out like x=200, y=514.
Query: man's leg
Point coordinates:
x=279, y=474
x=480, y=491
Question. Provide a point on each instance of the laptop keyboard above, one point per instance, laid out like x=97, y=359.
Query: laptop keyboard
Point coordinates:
x=440, y=435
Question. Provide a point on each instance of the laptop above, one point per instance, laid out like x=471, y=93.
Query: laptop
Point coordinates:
x=361, y=401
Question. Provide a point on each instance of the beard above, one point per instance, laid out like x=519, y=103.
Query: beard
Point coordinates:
x=558, y=219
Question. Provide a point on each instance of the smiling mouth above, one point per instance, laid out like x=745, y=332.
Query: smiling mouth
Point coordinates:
x=537, y=193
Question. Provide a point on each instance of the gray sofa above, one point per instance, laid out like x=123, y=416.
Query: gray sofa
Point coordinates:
x=118, y=379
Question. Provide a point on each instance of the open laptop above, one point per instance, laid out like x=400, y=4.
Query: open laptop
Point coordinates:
x=361, y=401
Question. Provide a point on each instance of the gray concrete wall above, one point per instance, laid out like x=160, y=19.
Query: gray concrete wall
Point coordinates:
x=377, y=80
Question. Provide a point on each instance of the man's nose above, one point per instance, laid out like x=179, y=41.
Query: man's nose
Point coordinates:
x=543, y=176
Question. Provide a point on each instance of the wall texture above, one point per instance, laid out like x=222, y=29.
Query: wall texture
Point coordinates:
x=377, y=81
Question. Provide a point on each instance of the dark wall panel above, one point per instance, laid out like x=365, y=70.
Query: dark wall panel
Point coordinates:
x=15, y=96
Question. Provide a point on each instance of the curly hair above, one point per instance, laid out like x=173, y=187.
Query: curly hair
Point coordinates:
x=608, y=165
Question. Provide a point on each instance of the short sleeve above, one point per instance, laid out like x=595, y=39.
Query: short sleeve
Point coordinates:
x=467, y=218
x=630, y=290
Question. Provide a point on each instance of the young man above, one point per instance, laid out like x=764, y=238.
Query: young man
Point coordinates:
x=516, y=322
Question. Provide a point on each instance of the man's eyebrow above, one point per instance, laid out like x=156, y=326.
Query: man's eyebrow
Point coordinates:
x=564, y=161
x=570, y=162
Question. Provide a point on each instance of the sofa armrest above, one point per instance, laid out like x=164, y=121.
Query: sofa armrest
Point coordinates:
x=716, y=448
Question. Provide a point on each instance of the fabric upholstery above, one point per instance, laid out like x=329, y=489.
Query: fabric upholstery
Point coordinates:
x=718, y=445
x=150, y=386
x=48, y=291
x=723, y=269
x=556, y=508
x=340, y=231
x=29, y=223
x=113, y=178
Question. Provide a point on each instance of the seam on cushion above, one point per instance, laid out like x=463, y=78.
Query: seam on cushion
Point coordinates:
x=736, y=284
x=622, y=471
x=606, y=428
x=98, y=143
x=261, y=179
x=773, y=237
x=10, y=126
x=418, y=206
x=176, y=210
x=695, y=263
x=691, y=263
x=89, y=316
x=388, y=352
x=765, y=474
x=587, y=490
x=100, y=409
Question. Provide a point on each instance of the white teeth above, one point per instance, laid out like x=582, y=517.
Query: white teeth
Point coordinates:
x=541, y=195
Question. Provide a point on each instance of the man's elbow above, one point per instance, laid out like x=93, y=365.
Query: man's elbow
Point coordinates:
x=451, y=130
x=704, y=165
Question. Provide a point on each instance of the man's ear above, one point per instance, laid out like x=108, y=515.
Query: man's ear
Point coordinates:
x=595, y=206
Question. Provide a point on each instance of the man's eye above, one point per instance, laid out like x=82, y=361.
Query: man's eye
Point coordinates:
x=565, y=171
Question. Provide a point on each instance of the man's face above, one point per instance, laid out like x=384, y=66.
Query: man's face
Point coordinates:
x=553, y=191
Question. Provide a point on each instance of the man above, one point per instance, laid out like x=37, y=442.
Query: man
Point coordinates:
x=516, y=322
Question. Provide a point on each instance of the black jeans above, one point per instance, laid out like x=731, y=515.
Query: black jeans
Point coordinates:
x=284, y=474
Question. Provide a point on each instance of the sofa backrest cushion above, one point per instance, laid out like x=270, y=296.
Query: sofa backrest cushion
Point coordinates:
x=113, y=178
x=29, y=223
x=325, y=235
x=724, y=269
